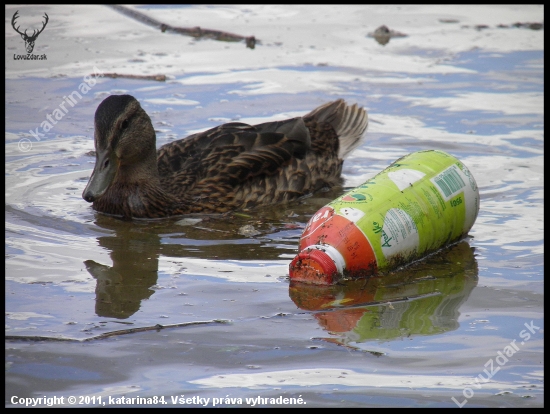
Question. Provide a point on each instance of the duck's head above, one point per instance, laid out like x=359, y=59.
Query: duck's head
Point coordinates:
x=124, y=141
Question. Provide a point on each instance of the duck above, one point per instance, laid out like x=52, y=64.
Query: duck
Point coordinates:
x=231, y=167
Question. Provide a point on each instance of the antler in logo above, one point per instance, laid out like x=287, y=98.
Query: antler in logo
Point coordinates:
x=29, y=40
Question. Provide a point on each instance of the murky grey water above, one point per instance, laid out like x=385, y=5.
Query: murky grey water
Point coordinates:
x=234, y=326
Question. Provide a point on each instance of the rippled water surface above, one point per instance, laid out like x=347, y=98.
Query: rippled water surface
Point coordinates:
x=203, y=308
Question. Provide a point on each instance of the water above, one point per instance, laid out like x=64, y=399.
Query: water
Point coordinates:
x=234, y=327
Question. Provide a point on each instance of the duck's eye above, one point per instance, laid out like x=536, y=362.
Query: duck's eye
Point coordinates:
x=124, y=125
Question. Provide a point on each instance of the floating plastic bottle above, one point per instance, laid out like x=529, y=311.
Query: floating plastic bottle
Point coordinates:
x=422, y=202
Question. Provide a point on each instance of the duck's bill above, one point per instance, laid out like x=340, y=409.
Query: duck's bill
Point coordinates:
x=103, y=175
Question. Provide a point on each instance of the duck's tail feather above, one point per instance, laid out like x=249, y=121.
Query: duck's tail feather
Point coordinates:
x=349, y=121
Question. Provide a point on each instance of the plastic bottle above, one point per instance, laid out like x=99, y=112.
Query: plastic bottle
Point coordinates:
x=422, y=202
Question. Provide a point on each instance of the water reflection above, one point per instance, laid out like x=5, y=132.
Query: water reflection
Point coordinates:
x=423, y=299
x=121, y=287
x=135, y=248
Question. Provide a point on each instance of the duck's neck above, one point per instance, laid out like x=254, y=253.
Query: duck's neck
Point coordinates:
x=145, y=170
x=137, y=192
x=137, y=199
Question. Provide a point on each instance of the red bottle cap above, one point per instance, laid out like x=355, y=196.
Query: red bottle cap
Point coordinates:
x=315, y=265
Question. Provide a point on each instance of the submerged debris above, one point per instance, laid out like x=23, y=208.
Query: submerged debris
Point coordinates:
x=531, y=26
x=188, y=221
x=383, y=34
x=248, y=231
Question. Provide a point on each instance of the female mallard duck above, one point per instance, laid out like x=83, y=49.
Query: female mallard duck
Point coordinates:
x=230, y=167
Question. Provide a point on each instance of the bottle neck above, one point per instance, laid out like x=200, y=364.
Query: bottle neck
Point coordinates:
x=317, y=264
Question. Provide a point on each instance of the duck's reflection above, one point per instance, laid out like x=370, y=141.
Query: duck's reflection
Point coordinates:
x=423, y=299
x=121, y=288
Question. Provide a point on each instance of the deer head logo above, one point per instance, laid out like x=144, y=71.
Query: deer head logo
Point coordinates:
x=29, y=40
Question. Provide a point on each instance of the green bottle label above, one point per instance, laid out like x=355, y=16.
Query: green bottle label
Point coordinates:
x=420, y=203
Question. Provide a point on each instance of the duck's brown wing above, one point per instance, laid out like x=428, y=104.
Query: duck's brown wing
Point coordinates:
x=213, y=162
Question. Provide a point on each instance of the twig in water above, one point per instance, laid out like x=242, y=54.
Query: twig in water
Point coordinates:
x=196, y=32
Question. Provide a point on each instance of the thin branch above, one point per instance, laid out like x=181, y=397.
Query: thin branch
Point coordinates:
x=160, y=78
x=196, y=32
x=157, y=327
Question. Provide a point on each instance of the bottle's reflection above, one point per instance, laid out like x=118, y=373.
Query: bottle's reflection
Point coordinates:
x=422, y=299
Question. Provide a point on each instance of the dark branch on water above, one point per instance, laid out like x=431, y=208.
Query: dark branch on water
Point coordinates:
x=160, y=78
x=105, y=335
x=196, y=32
